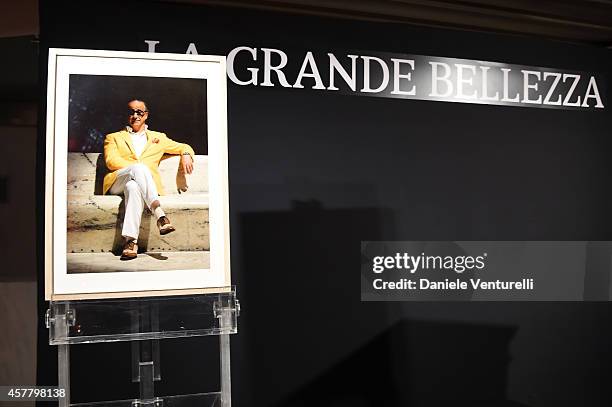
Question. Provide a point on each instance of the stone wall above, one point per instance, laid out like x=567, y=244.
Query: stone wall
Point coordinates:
x=94, y=220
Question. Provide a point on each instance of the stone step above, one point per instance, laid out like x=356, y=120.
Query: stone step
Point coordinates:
x=150, y=261
x=93, y=224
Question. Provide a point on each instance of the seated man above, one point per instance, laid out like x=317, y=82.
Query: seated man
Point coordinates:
x=133, y=155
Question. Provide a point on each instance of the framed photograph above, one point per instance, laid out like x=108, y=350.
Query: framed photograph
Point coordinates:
x=136, y=188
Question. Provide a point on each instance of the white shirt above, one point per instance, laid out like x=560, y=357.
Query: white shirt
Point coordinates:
x=139, y=140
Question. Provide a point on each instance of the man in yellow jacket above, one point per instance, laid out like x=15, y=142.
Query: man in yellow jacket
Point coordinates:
x=132, y=157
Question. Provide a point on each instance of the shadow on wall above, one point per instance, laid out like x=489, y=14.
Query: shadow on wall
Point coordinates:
x=311, y=341
x=416, y=363
x=301, y=294
x=101, y=171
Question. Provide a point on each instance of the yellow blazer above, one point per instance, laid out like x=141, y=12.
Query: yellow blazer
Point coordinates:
x=119, y=153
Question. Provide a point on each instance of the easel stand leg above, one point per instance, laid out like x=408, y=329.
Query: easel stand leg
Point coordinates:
x=147, y=355
x=62, y=321
x=63, y=373
x=224, y=342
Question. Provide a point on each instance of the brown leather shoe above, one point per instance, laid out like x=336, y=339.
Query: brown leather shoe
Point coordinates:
x=130, y=250
x=164, y=226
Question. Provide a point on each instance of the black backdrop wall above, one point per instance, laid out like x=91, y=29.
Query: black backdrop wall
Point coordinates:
x=314, y=173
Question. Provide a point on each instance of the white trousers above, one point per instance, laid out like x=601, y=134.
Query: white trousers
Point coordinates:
x=136, y=184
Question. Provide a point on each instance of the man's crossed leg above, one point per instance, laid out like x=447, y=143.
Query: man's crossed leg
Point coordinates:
x=136, y=184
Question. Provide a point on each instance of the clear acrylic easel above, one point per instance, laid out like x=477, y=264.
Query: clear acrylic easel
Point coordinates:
x=144, y=321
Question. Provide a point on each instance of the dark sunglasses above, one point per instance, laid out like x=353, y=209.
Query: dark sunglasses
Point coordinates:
x=137, y=112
